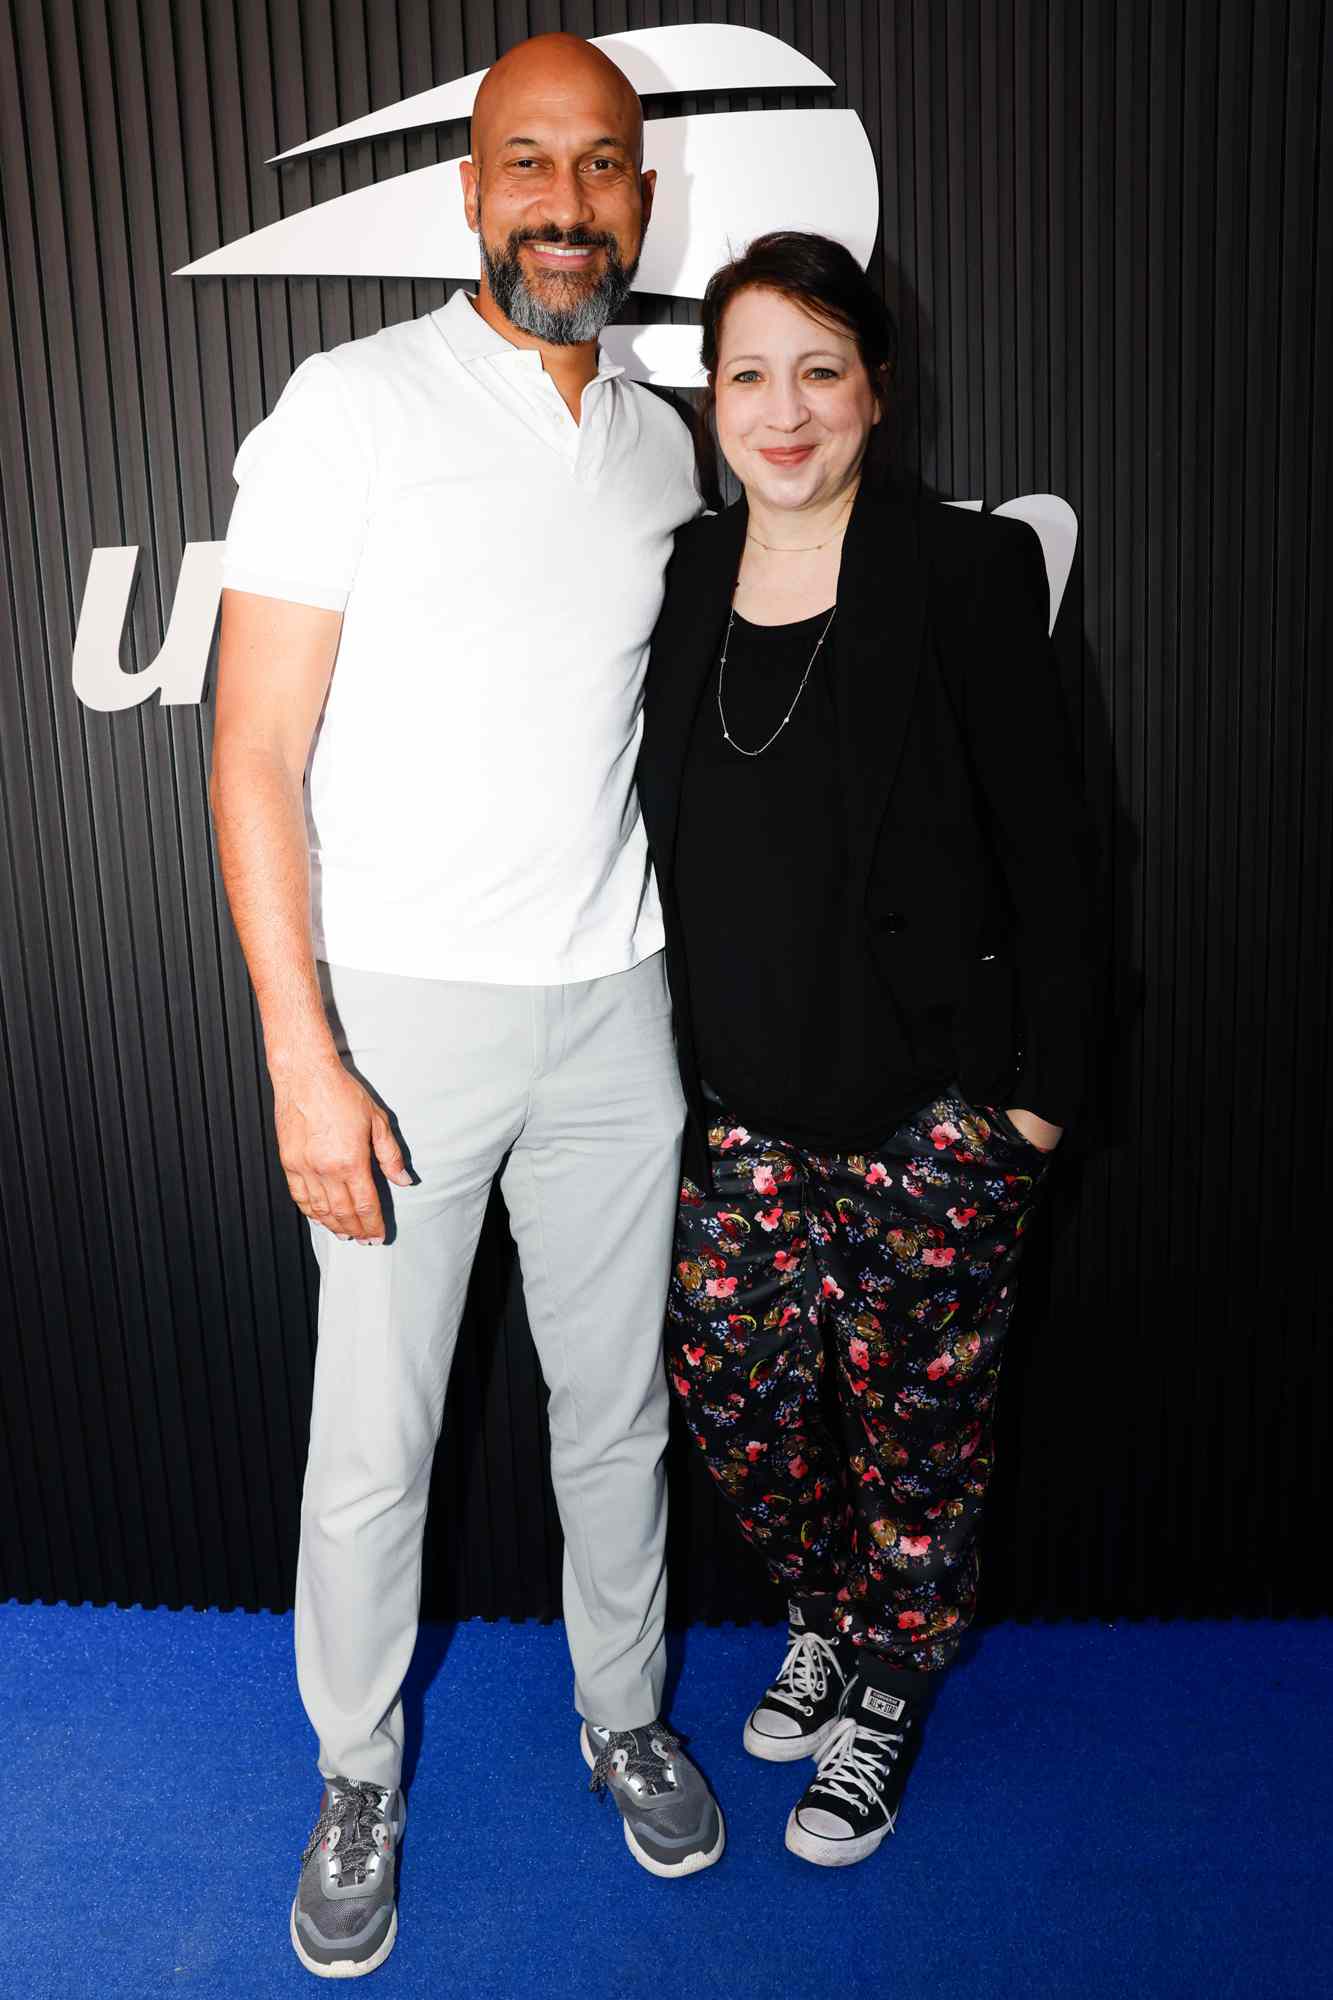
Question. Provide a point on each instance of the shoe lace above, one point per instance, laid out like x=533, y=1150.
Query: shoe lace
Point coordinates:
x=355, y=1810
x=647, y=1759
x=804, y=1674
x=851, y=1768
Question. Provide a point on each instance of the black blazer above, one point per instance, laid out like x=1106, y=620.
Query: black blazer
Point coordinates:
x=970, y=845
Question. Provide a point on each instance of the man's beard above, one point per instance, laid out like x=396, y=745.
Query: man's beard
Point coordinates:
x=583, y=308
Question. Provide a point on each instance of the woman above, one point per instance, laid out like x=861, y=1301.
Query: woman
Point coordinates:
x=865, y=820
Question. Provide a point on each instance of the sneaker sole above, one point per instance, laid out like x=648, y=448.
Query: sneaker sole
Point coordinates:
x=787, y=1749
x=830, y=1853
x=692, y=1863
x=344, y=1968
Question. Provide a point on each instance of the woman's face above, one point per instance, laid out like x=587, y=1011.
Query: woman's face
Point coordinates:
x=794, y=404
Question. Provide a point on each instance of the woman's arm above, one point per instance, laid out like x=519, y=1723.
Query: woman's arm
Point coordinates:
x=1023, y=758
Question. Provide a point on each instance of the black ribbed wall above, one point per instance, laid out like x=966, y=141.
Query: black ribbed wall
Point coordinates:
x=1107, y=231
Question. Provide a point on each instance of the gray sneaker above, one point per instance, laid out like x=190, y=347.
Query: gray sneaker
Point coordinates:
x=343, y=1918
x=672, y=1822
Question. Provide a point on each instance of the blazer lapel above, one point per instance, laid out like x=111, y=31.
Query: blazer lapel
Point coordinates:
x=685, y=646
x=879, y=637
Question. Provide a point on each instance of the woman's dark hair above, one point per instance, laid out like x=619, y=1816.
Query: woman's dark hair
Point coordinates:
x=825, y=280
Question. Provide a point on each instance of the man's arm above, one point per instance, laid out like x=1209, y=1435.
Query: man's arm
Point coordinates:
x=274, y=666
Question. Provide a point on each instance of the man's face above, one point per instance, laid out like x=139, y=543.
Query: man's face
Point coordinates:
x=556, y=196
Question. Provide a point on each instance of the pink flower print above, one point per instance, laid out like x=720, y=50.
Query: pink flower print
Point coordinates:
x=736, y=1137
x=754, y=1450
x=797, y=1467
x=860, y=1354
x=877, y=1174
x=911, y=1187
x=969, y=1445
x=682, y=1386
x=831, y=1290
x=764, y=1182
x=783, y=1260
x=908, y=1619
x=872, y=1476
x=721, y=1288
x=944, y=1135
x=694, y=1355
x=960, y=1217
x=939, y=1258
x=939, y=1366
x=788, y=1312
x=769, y=1218
x=914, y=1545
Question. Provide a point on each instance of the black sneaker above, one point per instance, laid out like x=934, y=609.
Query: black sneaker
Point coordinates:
x=343, y=1921
x=672, y=1822
x=800, y=1710
x=853, y=1799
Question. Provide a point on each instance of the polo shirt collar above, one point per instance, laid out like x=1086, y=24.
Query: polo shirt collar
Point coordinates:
x=473, y=338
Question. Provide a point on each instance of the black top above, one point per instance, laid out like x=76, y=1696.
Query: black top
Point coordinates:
x=793, y=1025
x=969, y=862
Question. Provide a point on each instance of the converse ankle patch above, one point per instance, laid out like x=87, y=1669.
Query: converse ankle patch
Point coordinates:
x=890, y=1706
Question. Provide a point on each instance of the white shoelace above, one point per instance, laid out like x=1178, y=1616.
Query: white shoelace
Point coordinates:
x=804, y=1673
x=846, y=1769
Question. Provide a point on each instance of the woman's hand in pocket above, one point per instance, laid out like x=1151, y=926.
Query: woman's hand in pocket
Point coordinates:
x=1038, y=1132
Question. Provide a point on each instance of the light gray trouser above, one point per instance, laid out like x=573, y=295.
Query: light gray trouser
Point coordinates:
x=574, y=1091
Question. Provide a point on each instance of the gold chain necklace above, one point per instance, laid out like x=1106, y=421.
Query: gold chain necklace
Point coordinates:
x=781, y=549
x=806, y=549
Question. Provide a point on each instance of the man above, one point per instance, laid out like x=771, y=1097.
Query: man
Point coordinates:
x=442, y=571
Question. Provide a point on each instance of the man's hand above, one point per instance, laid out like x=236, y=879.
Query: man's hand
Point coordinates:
x=275, y=663
x=1037, y=1131
x=328, y=1127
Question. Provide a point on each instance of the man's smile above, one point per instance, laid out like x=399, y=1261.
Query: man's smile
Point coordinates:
x=562, y=257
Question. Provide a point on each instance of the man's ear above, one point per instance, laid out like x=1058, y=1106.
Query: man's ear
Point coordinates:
x=648, y=187
x=467, y=174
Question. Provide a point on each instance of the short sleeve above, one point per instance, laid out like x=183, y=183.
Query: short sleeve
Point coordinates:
x=303, y=476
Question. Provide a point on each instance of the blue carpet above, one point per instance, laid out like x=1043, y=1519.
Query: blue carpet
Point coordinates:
x=1099, y=1811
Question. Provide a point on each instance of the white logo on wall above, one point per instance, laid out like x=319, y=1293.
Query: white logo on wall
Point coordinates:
x=723, y=178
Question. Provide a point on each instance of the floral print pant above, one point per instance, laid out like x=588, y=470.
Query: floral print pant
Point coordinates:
x=834, y=1331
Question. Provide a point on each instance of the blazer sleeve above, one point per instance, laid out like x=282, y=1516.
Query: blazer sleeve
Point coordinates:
x=1023, y=759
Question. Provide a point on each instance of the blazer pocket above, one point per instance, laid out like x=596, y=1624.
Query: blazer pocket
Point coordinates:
x=986, y=1026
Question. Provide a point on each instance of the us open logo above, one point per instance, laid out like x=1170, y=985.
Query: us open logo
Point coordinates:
x=723, y=178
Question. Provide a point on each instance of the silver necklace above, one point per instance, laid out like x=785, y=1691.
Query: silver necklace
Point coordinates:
x=727, y=736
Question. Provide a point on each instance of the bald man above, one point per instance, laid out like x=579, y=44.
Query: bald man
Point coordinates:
x=442, y=570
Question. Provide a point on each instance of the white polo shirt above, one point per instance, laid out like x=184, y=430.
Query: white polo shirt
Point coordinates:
x=470, y=795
